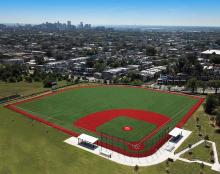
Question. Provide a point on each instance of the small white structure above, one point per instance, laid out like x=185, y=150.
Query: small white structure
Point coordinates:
x=209, y=52
x=87, y=140
x=176, y=132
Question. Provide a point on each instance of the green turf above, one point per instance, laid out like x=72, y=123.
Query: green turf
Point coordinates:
x=115, y=127
x=65, y=108
x=23, y=88
x=201, y=152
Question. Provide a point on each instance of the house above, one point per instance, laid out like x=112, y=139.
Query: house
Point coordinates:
x=152, y=72
x=206, y=54
x=109, y=74
x=16, y=61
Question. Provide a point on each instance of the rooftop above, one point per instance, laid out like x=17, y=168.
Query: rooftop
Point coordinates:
x=211, y=52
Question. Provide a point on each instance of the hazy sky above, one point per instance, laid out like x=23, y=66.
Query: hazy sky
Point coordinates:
x=121, y=12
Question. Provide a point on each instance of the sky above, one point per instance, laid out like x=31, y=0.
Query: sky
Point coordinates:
x=113, y=12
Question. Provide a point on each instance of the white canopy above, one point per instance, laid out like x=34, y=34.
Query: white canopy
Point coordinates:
x=176, y=132
x=88, y=138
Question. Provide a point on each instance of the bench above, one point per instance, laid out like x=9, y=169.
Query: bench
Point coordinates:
x=106, y=154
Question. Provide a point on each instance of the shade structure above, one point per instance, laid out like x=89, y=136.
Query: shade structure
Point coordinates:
x=87, y=138
x=176, y=132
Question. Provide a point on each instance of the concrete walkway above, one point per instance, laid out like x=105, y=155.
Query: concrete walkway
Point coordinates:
x=187, y=149
x=215, y=166
x=160, y=156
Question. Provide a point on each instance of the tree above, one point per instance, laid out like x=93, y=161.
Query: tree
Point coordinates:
x=210, y=104
x=203, y=85
x=206, y=138
x=136, y=169
x=99, y=67
x=200, y=130
x=212, y=158
x=215, y=84
x=192, y=58
x=202, y=166
x=217, y=118
x=90, y=62
x=28, y=79
x=192, y=84
x=167, y=169
x=151, y=51
x=39, y=60
x=77, y=80
x=197, y=121
x=218, y=42
x=190, y=149
x=215, y=59
x=169, y=88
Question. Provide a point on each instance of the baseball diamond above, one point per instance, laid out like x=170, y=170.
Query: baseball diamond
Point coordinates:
x=134, y=121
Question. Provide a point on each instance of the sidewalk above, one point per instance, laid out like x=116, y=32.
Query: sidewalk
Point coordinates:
x=160, y=156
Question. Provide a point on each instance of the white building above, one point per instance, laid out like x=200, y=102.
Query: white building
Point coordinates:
x=207, y=53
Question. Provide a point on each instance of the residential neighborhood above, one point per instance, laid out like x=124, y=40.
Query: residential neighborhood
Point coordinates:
x=112, y=54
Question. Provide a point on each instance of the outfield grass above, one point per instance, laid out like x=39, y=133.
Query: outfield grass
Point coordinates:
x=28, y=147
x=115, y=127
x=23, y=88
x=66, y=107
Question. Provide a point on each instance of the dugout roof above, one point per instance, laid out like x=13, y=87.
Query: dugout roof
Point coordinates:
x=87, y=138
x=176, y=132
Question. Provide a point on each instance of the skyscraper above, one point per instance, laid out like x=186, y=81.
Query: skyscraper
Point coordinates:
x=69, y=24
x=81, y=25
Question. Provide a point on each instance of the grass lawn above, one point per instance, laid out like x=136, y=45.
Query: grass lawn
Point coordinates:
x=199, y=153
x=66, y=107
x=23, y=88
x=139, y=128
x=30, y=147
x=207, y=129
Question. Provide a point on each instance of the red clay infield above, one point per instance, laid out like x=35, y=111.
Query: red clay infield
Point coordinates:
x=94, y=120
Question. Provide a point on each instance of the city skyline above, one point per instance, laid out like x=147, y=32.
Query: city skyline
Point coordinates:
x=113, y=12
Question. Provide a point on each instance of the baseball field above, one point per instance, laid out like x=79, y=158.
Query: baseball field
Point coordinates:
x=132, y=120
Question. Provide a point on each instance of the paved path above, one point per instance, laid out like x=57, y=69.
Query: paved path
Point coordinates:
x=160, y=156
x=187, y=149
x=215, y=166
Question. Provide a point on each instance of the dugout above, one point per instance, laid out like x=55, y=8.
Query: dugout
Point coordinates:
x=87, y=141
x=176, y=134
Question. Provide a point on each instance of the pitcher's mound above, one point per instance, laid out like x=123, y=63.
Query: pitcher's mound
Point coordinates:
x=127, y=128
